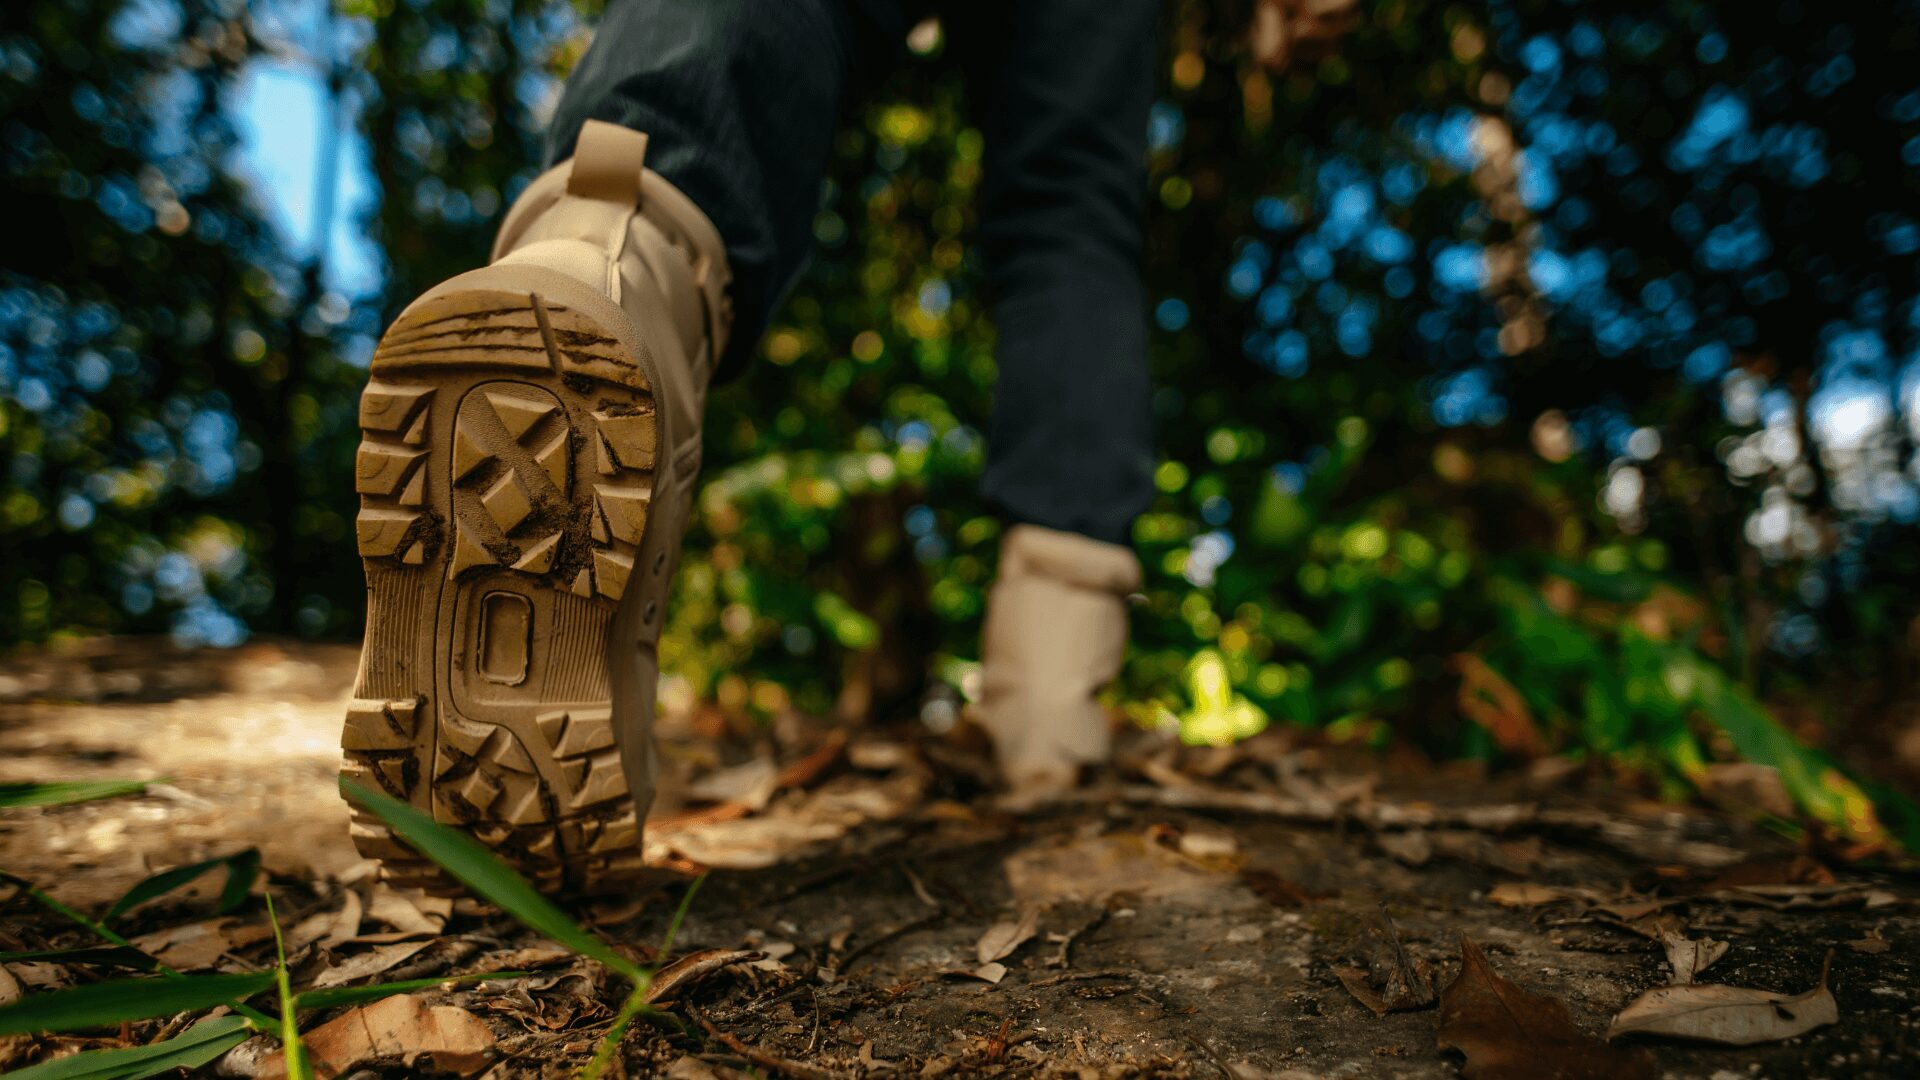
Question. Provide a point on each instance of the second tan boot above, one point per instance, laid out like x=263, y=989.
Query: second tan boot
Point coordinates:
x=1054, y=637
x=530, y=442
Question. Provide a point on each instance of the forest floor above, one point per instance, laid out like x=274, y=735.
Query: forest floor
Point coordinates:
x=872, y=911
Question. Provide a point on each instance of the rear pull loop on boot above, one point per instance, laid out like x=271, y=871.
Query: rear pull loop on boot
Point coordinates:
x=607, y=163
x=1055, y=636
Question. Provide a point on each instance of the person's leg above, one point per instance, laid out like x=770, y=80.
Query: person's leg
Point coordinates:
x=740, y=100
x=1062, y=91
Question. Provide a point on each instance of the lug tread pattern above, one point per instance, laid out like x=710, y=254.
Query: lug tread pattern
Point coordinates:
x=537, y=476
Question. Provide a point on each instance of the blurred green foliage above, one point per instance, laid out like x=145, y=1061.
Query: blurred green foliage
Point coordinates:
x=1492, y=354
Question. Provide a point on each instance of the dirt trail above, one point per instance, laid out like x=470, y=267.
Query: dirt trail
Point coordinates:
x=1147, y=938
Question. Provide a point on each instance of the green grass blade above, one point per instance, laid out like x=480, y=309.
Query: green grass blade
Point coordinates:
x=680, y=915
x=112, y=955
x=261, y=1020
x=39, y=896
x=477, y=868
x=99, y=1004
x=335, y=996
x=295, y=1053
x=610, y=1043
x=636, y=1002
x=65, y=792
x=198, y=1045
x=242, y=867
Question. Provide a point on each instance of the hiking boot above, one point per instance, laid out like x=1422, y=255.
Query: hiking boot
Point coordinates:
x=530, y=440
x=1055, y=634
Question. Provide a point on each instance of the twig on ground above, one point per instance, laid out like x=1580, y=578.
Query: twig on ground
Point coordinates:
x=1064, y=957
x=813, y=1039
x=1632, y=837
x=919, y=887
x=1080, y=976
x=816, y=880
x=459, y=952
x=1214, y=1059
x=908, y=927
x=783, y=1066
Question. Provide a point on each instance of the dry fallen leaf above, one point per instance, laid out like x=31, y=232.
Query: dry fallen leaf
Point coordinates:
x=1488, y=699
x=372, y=962
x=1873, y=944
x=992, y=972
x=1507, y=856
x=1632, y=911
x=411, y=913
x=1508, y=1033
x=201, y=944
x=1734, y=1015
x=1527, y=894
x=689, y=1067
x=1413, y=847
x=1002, y=938
x=1209, y=845
x=1688, y=957
x=1809, y=897
x=875, y=754
x=789, y=829
x=751, y=784
x=680, y=976
x=1277, y=890
x=531, y=958
x=772, y=953
x=451, y=1039
x=328, y=928
x=752, y=844
x=38, y=976
x=9, y=987
x=551, y=1002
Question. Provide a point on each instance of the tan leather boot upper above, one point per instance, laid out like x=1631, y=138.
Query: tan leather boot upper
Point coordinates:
x=602, y=218
x=1055, y=635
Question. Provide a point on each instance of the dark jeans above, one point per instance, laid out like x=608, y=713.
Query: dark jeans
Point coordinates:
x=740, y=99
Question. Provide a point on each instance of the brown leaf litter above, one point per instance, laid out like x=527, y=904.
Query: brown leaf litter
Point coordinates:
x=1507, y=1033
x=1212, y=911
x=1734, y=1015
x=443, y=1038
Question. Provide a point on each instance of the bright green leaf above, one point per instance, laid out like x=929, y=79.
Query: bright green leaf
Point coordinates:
x=64, y=792
x=198, y=1045
x=335, y=996
x=113, y=955
x=99, y=1004
x=242, y=867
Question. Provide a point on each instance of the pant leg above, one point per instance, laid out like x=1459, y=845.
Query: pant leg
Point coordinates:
x=1061, y=91
x=739, y=99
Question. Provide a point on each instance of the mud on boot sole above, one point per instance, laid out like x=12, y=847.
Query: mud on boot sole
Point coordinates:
x=505, y=473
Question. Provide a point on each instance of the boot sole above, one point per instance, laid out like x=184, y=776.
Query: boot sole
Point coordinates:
x=505, y=472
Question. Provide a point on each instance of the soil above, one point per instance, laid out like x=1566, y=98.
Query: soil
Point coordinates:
x=1189, y=918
